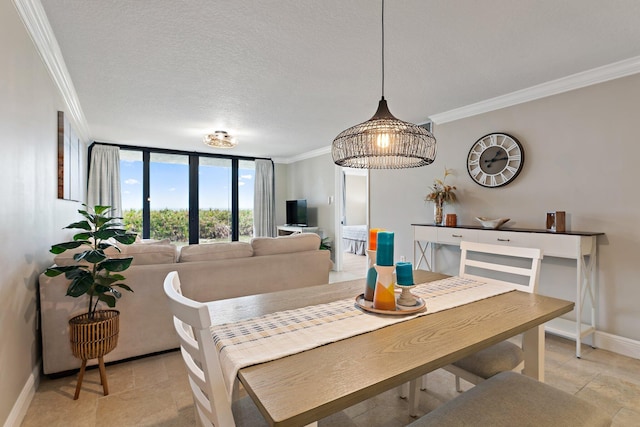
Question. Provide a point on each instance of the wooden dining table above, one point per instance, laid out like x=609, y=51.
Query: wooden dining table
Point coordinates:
x=302, y=388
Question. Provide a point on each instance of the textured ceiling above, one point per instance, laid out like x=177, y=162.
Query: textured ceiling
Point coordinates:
x=286, y=76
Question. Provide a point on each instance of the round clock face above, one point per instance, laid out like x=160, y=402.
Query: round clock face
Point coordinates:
x=495, y=160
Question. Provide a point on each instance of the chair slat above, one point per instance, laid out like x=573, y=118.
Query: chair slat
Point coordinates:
x=192, y=324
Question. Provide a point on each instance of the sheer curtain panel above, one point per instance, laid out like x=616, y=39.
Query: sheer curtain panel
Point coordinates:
x=104, y=178
x=264, y=214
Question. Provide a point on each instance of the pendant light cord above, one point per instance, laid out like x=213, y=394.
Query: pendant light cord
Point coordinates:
x=382, y=49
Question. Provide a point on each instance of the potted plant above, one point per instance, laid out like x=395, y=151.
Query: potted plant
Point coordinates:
x=95, y=333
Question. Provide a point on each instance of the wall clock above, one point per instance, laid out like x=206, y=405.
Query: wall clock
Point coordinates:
x=495, y=160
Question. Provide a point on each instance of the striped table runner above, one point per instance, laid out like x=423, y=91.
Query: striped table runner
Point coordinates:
x=276, y=335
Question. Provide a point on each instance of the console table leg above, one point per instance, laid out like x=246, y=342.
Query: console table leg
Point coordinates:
x=579, y=305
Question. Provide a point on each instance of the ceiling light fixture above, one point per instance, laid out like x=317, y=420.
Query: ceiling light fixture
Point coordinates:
x=220, y=139
x=384, y=142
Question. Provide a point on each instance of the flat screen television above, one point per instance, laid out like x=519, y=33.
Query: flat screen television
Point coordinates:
x=297, y=212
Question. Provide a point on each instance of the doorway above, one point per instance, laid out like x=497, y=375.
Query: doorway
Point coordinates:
x=352, y=220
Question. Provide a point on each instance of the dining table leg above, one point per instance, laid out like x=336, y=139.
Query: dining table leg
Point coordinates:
x=533, y=346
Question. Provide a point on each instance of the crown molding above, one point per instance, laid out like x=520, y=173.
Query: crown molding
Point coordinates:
x=304, y=156
x=575, y=81
x=37, y=24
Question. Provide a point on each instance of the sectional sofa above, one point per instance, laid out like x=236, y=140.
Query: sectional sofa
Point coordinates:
x=207, y=272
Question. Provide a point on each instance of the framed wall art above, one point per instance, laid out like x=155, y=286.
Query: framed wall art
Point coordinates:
x=69, y=161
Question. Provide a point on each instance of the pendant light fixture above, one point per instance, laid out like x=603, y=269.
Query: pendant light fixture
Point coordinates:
x=384, y=142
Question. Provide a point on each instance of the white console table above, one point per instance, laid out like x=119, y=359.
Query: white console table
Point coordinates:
x=285, y=230
x=581, y=246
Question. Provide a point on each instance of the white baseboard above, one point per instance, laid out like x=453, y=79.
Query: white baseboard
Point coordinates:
x=617, y=344
x=21, y=406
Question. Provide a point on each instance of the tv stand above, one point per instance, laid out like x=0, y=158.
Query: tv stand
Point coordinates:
x=285, y=230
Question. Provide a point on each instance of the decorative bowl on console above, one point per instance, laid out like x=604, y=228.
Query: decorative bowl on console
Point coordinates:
x=491, y=223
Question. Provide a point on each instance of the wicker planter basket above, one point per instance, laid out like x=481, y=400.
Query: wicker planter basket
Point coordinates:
x=93, y=338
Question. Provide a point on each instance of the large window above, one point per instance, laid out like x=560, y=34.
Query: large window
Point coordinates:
x=131, y=182
x=215, y=199
x=187, y=197
x=169, y=197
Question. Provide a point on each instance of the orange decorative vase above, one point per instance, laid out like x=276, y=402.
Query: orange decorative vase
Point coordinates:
x=384, y=297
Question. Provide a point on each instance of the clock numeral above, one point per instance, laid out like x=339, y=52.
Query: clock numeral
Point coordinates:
x=511, y=169
x=511, y=146
x=474, y=161
x=475, y=172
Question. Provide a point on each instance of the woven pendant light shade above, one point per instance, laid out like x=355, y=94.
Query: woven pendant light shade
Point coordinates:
x=384, y=142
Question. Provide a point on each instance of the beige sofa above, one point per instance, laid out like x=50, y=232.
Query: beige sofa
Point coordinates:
x=207, y=272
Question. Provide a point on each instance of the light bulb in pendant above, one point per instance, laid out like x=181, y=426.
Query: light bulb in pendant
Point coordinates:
x=383, y=140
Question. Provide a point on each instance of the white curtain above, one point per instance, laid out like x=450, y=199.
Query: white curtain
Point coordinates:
x=104, y=178
x=264, y=214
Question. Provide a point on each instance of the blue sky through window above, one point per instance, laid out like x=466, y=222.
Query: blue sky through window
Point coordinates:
x=170, y=186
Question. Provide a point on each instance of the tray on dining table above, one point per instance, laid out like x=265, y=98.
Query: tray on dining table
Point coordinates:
x=400, y=310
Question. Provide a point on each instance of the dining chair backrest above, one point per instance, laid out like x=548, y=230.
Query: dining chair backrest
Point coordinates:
x=192, y=323
x=500, y=262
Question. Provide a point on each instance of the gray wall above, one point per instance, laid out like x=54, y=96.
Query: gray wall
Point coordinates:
x=581, y=157
x=31, y=216
x=312, y=179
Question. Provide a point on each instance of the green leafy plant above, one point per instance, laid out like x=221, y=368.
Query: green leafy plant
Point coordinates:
x=98, y=275
x=325, y=244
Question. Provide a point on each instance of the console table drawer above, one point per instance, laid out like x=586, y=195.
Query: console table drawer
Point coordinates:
x=564, y=246
x=453, y=236
x=507, y=238
x=426, y=234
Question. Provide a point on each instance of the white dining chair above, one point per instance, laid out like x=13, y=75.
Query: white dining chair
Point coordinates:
x=211, y=399
x=494, y=264
x=504, y=356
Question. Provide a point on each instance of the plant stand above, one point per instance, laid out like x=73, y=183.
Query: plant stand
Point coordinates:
x=92, y=339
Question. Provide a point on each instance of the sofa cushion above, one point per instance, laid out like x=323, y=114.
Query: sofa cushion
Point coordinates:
x=152, y=241
x=285, y=244
x=215, y=251
x=149, y=253
x=142, y=253
x=66, y=258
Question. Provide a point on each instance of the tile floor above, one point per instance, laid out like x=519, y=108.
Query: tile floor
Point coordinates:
x=153, y=391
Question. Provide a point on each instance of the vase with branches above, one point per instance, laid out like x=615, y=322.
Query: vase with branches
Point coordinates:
x=440, y=194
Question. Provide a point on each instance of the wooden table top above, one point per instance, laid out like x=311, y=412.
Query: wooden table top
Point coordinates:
x=305, y=387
